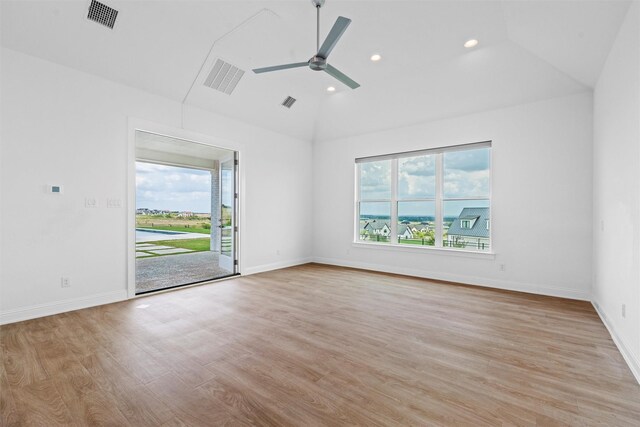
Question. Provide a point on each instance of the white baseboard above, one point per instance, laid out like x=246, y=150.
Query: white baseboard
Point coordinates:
x=629, y=357
x=48, y=309
x=467, y=280
x=276, y=266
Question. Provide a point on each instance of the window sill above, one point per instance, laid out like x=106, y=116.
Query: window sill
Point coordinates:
x=425, y=249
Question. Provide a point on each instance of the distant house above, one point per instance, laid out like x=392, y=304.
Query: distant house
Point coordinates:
x=424, y=226
x=470, y=229
x=377, y=227
x=405, y=232
x=380, y=227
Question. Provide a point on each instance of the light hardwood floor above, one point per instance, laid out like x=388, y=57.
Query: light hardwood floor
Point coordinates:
x=318, y=345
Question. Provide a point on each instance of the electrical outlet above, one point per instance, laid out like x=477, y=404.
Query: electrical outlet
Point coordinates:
x=624, y=310
x=277, y=251
x=65, y=282
x=90, y=202
x=503, y=267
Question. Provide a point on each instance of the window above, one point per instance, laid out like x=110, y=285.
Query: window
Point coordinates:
x=439, y=198
x=375, y=201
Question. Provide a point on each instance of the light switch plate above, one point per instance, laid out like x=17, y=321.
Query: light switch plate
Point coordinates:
x=114, y=203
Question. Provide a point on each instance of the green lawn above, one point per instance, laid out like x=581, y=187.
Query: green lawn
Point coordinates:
x=414, y=242
x=176, y=228
x=196, y=245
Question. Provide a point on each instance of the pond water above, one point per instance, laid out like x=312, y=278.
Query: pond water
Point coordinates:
x=146, y=235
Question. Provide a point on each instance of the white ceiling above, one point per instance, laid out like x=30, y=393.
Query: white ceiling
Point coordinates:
x=169, y=145
x=529, y=50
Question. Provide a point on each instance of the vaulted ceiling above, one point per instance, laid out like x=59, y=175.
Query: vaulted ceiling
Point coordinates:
x=528, y=51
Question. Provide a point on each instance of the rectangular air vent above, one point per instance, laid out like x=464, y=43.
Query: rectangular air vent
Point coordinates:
x=102, y=14
x=224, y=77
x=288, y=102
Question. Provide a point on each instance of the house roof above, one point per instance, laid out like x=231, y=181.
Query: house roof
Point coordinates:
x=468, y=217
x=479, y=228
x=376, y=224
x=402, y=228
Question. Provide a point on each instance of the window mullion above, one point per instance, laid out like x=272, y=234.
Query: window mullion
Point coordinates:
x=394, y=201
x=439, y=203
x=356, y=230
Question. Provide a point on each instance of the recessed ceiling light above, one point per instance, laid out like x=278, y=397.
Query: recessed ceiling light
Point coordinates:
x=471, y=43
x=376, y=57
x=331, y=89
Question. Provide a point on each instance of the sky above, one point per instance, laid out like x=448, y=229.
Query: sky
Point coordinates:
x=172, y=188
x=466, y=174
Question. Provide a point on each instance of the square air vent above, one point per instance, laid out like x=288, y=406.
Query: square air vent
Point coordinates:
x=224, y=77
x=102, y=14
x=288, y=102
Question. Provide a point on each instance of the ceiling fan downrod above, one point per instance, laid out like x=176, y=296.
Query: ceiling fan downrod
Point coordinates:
x=318, y=63
x=318, y=27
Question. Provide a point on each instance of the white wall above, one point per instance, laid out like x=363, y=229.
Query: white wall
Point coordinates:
x=542, y=166
x=616, y=189
x=61, y=126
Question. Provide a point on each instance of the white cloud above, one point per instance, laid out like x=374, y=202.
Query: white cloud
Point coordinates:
x=416, y=177
x=172, y=188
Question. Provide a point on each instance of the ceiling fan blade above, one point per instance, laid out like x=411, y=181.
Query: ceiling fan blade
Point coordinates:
x=280, y=67
x=334, y=72
x=334, y=35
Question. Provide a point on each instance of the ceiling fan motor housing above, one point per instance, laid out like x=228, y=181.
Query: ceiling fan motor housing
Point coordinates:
x=318, y=63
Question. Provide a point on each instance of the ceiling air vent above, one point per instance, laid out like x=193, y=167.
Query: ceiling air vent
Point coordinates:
x=102, y=14
x=288, y=102
x=224, y=77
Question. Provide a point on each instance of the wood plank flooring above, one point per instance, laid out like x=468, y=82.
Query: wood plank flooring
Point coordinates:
x=318, y=345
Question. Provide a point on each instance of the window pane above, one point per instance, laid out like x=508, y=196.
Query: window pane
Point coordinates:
x=375, y=224
x=466, y=173
x=467, y=225
x=416, y=223
x=375, y=180
x=417, y=177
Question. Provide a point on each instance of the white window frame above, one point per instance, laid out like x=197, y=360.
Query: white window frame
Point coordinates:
x=438, y=198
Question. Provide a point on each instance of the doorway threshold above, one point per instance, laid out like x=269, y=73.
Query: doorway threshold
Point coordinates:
x=201, y=282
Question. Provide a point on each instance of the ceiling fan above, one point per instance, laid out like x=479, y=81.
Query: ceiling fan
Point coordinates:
x=319, y=61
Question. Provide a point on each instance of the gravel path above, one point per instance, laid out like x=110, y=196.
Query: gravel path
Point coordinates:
x=166, y=271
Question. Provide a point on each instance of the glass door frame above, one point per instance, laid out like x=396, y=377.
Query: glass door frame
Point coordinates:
x=141, y=125
x=229, y=262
